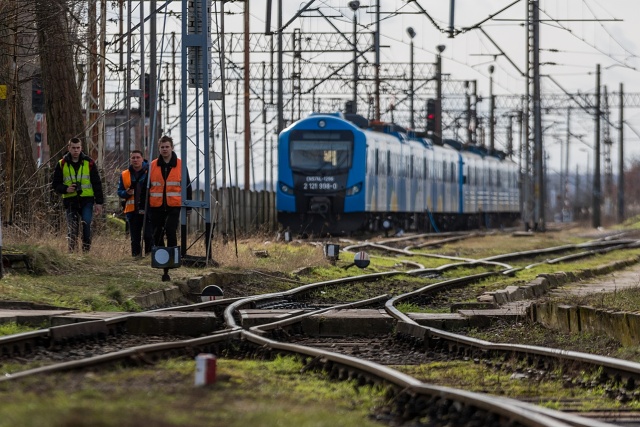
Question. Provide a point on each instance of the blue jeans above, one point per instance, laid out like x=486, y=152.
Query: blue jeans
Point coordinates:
x=76, y=215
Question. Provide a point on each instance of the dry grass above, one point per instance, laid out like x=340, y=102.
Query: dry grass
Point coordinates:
x=111, y=245
x=107, y=277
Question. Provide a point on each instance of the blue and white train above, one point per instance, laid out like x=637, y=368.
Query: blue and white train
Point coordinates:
x=338, y=176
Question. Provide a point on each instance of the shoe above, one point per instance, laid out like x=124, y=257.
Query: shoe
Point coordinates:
x=166, y=278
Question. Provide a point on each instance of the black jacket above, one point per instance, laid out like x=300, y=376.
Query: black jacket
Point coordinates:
x=94, y=176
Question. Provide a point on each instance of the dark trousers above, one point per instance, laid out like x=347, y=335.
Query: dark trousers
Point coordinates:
x=136, y=225
x=77, y=215
x=165, y=222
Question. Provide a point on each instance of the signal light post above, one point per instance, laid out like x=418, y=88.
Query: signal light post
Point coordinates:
x=492, y=109
x=438, y=119
x=412, y=34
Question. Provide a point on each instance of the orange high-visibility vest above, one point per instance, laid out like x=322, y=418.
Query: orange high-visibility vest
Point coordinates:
x=131, y=200
x=171, y=187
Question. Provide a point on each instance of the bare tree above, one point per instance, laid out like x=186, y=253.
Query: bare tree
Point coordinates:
x=17, y=166
x=62, y=95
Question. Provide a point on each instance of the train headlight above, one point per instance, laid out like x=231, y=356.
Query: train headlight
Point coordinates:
x=352, y=191
x=285, y=188
x=321, y=123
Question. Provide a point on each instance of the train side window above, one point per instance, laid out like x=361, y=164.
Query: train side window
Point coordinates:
x=424, y=168
x=388, y=163
x=453, y=172
x=444, y=170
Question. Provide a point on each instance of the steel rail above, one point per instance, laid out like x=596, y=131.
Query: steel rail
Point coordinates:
x=130, y=353
x=520, y=412
x=229, y=311
x=398, y=315
x=296, y=319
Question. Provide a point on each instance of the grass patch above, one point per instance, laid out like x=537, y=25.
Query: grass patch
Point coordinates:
x=106, y=278
x=534, y=334
x=627, y=299
x=12, y=328
x=548, y=391
x=484, y=246
x=247, y=393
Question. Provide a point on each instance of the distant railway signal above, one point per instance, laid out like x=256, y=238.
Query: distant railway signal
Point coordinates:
x=431, y=115
x=361, y=259
x=211, y=293
x=37, y=95
x=331, y=252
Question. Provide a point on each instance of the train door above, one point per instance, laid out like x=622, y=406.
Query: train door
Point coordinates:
x=453, y=183
x=481, y=186
x=394, y=192
x=382, y=174
x=428, y=180
x=438, y=184
x=410, y=187
x=371, y=180
x=470, y=184
x=417, y=183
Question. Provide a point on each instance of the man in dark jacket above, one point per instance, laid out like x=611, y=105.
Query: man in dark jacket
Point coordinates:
x=133, y=189
x=76, y=177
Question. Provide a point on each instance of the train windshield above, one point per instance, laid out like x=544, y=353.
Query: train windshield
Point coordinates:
x=321, y=151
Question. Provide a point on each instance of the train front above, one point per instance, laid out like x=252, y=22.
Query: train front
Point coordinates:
x=321, y=172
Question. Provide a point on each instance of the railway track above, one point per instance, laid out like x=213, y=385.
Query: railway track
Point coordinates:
x=354, y=359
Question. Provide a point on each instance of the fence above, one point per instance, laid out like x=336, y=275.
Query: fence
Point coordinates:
x=244, y=211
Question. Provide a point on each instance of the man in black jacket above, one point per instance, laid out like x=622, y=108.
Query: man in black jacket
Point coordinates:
x=76, y=177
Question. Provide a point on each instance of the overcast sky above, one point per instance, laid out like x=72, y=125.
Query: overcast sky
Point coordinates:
x=575, y=35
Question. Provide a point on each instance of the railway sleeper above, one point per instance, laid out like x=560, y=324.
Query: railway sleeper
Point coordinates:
x=14, y=350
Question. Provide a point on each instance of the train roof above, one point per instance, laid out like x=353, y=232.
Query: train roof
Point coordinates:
x=404, y=135
x=476, y=149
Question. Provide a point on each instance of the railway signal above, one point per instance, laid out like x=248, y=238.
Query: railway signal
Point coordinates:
x=431, y=115
x=211, y=293
x=331, y=252
x=166, y=258
x=361, y=259
x=37, y=95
